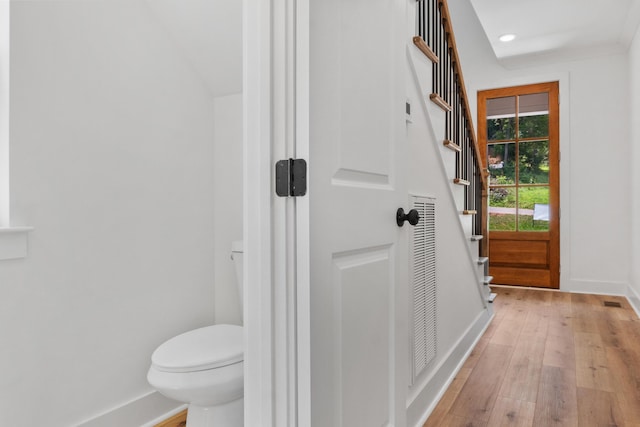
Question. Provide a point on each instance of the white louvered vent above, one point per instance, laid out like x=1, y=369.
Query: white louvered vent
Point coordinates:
x=423, y=273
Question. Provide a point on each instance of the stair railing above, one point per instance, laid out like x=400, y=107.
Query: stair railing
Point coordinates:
x=436, y=40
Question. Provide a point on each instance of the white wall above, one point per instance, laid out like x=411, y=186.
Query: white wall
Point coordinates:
x=112, y=162
x=634, y=98
x=461, y=314
x=594, y=171
x=228, y=191
x=208, y=33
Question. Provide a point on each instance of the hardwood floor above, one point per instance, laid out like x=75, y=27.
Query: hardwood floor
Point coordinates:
x=178, y=420
x=549, y=359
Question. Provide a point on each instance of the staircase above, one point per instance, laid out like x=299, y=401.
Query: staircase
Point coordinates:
x=451, y=119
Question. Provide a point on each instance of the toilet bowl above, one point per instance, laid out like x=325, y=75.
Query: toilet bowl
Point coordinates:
x=204, y=368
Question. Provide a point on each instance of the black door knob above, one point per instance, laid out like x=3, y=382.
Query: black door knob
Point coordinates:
x=413, y=217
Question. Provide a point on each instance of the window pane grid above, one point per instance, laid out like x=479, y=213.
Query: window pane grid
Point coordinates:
x=518, y=163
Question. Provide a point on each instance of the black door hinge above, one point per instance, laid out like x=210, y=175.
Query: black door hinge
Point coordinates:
x=291, y=178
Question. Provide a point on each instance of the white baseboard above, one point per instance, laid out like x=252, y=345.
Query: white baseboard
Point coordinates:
x=435, y=387
x=605, y=288
x=594, y=287
x=145, y=411
x=634, y=299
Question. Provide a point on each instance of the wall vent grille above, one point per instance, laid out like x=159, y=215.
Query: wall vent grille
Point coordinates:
x=423, y=273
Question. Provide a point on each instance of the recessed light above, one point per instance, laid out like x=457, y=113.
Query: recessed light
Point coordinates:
x=507, y=37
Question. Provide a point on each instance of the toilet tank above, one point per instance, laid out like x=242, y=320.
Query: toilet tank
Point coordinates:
x=237, y=254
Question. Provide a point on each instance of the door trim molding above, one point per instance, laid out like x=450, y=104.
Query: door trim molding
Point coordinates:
x=302, y=253
x=552, y=275
x=257, y=214
x=276, y=230
x=564, y=80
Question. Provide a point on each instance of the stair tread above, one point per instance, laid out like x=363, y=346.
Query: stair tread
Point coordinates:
x=451, y=145
x=487, y=279
x=425, y=49
x=476, y=237
x=440, y=102
x=492, y=296
x=482, y=260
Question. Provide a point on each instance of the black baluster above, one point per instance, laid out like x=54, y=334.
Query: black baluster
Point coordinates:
x=421, y=19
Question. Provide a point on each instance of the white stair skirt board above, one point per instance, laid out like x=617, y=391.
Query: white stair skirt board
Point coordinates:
x=474, y=247
x=449, y=158
x=486, y=292
x=438, y=117
x=458, y=195
x=466, y=221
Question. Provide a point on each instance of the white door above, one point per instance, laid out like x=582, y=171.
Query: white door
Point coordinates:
x=358, y=262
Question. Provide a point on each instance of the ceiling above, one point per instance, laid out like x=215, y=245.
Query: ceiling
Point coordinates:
x=209, y=32
x=567, y=28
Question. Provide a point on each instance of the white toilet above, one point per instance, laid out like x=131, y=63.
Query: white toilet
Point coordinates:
x=205, y=369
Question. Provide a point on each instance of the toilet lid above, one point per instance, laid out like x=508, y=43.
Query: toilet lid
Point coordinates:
x=201, y=349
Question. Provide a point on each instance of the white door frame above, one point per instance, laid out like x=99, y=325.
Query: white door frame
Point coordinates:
x=276, y=230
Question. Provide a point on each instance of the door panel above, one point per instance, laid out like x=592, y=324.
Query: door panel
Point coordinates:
x=521, y=276
x=520, y=251
x=359, y=76
x=519, y=138
x=362, y=286
x=356, y=183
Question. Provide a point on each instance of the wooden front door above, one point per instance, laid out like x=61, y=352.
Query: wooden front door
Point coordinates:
x=519, y=139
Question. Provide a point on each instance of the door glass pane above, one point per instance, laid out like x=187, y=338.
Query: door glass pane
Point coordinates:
x=502, y=209
x=533, y=209
x=501, y=159
x=501, y=118
x=533, y=115
x=533, y=162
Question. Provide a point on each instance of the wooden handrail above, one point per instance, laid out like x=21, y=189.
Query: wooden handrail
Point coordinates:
x=437, y=41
